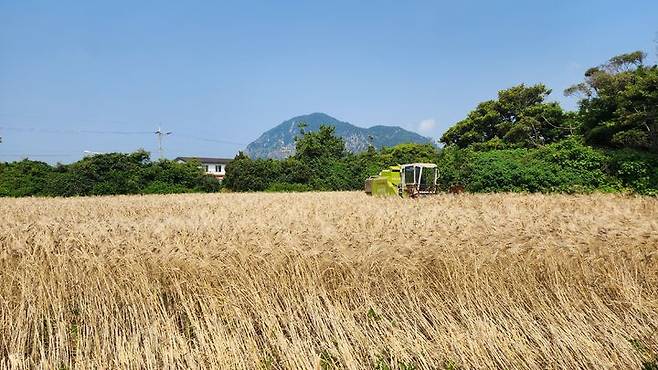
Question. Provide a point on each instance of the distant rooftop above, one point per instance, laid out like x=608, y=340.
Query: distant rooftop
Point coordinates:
x=204, y=159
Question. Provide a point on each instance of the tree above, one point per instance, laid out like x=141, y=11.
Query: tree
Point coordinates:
x=408, y=153
x=23, y=178
x=518, y=118
x=112, y=173
x=322, y=144
x=252, y=174
x=619, y=103
x=246, y=174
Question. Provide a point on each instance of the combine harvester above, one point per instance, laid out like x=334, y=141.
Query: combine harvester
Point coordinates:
x=408, y=181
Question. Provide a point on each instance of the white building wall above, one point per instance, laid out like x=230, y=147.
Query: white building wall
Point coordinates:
x=214, y=170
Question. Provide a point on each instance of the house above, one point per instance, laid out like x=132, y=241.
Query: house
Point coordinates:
x=212, y=166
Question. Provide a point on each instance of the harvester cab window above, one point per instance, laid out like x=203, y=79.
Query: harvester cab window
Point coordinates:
x=418, y=171
x=427, y=178
x=409, y=176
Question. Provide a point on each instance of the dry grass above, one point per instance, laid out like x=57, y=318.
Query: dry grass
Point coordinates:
x=329, y=279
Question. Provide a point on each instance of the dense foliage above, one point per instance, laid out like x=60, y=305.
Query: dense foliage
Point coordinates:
x=516, y=142
x=619, y=105
x=104, y=174
x=518, y=118
x=320, y=163
x=567, y=166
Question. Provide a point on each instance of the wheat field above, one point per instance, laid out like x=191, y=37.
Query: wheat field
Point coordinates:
x=329, y=281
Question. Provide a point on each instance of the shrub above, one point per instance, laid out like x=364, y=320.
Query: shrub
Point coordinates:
x=567, y=166
x=636, y=170
x=105, y=174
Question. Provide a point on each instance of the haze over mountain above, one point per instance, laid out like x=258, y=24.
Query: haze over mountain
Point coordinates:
x=279, y=142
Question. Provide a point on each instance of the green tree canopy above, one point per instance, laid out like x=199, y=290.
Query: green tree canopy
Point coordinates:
x=520, y=117
x=619, y=104
x=104, y=174
x=408, y=153
x=321, y=144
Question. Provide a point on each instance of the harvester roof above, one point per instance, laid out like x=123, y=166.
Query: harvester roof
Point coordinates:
x=425, y=165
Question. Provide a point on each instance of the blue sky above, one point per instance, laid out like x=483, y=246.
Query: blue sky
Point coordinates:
x=219, y=73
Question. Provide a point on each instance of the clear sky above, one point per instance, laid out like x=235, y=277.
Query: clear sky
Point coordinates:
x=219, y=73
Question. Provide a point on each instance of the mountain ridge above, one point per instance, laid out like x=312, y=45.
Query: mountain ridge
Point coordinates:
x=279, y=141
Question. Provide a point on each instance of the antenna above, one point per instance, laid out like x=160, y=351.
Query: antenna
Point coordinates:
x=160, y=134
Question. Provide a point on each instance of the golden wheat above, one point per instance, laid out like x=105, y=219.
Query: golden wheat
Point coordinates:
x=329, y=280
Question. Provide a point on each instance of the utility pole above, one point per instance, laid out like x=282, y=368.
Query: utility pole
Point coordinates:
x=160, y=134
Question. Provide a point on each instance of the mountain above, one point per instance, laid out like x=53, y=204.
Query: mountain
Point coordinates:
x=279, y=142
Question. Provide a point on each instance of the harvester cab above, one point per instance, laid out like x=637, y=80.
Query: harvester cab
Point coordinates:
x=407, y=180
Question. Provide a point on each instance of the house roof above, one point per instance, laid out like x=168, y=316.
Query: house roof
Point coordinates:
x=204, y=159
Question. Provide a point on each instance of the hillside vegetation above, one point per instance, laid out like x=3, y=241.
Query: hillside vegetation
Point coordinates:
x=329, y=281
x=279, y=142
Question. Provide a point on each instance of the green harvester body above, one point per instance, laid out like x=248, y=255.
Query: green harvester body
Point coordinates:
x=386, y=184
x=408, y=180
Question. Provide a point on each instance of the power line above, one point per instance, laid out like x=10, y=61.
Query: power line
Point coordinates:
x=36, y=155
x=160, y=135
x=209, y=140
x=112, y=132
x=61, y=131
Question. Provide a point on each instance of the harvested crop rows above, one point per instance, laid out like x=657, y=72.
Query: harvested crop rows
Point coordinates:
x=329, y=280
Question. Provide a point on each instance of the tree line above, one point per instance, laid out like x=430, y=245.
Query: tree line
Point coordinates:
x=518, y=141
x=617, y=109
x=104, y=174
